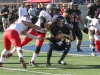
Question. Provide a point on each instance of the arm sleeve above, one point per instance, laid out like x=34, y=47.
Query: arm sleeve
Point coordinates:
x=31, y=36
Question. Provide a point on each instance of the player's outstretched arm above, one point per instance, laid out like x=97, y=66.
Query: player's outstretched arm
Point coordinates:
x=31, y=25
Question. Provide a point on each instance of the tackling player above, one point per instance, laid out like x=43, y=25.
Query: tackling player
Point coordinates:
x=44, y=21
x=12, y=36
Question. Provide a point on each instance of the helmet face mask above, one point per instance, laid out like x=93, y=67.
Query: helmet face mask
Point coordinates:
x=74, y=5
x=51, y=8
x=60, y=21
x=53, y=11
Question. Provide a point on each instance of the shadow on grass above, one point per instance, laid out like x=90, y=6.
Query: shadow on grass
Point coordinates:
x=68, y=66
x=56, y=66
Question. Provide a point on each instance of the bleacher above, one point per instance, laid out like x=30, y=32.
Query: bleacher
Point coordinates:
x=10, y=2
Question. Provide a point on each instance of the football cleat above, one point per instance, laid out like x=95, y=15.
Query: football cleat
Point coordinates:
x=9, y=55
x=79, y=50
x=61, y=62
x=47, y=64
x=0, y=64
x=23, y=63
x=93, y=54
x=32, y=64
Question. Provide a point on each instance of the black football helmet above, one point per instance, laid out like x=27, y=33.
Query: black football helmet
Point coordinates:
x=60, y=19
x=51, y=8
x=73, y=4
x=96, y=1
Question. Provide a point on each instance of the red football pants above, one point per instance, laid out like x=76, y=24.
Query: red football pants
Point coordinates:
x=97, y=45
x=11, y=37
x=26, y=40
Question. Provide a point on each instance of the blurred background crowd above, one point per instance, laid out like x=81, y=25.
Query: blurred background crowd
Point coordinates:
x=12, y=11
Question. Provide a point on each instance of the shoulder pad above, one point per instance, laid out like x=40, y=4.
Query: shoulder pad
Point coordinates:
x=90, y=5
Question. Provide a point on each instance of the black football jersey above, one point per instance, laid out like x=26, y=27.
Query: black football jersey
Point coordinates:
x=73, y=16
x=55, y=30
x=93, y=10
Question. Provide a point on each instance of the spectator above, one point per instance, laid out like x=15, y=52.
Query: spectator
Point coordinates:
x=22, y=11
x=32, y=13
x=14, y=13
x=5, y=19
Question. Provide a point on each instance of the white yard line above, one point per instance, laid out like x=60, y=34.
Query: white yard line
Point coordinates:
x=24, y=70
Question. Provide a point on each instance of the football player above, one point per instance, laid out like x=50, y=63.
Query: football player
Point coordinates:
x=59, y=33
x=72, y=16
x=46, y=18
x=93, y=12
x=12, y=36
x=95, y=26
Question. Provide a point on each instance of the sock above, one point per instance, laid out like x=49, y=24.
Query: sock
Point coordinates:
x=78, y=47
x=3, y=54
x=1, y=59
x=13, y=50
x=20, y=55
x=48, y=59
x=64, y=54
x=34, y=57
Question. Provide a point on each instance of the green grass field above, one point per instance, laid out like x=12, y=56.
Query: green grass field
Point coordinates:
x=76, y=65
